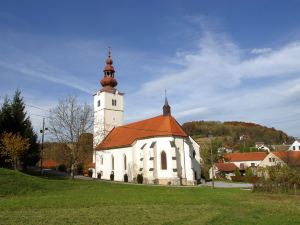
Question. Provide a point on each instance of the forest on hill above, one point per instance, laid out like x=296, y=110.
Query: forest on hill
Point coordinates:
x=237, y=135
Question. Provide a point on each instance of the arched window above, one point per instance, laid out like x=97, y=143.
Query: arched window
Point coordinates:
x=112, y=163
x=163, y=159
x=101, y=160
x=125, y=163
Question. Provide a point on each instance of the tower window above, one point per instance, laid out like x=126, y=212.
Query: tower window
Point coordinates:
x=163, y=158
x=125, y=162
x=114, y=102
x=98, y=103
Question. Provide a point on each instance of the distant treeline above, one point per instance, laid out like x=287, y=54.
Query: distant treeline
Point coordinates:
x=235, y=134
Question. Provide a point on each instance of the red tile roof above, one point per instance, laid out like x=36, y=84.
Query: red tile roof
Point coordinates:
x=50, y=164
x=226, y=167
x=157, y=126
x=289, y=157
x=246, y=156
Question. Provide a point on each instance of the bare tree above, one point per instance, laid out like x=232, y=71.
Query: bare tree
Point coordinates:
x=67, y=122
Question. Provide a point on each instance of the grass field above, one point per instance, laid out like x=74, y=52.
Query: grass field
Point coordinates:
x=26, y=199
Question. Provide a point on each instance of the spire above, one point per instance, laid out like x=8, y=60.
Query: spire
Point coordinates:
x=166, y=107
x=108, y=82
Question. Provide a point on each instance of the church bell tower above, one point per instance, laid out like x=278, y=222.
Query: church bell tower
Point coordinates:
x=108, y=104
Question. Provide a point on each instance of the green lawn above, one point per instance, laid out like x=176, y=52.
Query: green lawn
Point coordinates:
x=26, y=199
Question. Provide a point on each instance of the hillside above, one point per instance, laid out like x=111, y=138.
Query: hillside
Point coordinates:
x=230, y=133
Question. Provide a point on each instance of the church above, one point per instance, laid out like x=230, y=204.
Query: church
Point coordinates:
x=157, y=148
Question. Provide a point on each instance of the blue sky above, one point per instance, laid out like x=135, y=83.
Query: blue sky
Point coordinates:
x=218, y=60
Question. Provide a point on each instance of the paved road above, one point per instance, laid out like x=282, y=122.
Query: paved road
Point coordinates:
x=220, y=184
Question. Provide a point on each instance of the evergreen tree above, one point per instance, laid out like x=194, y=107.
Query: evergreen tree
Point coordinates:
x=14, y=119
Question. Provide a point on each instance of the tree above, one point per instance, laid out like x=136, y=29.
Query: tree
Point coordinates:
x=12, y=145
x=68, y=121
x=14, y=119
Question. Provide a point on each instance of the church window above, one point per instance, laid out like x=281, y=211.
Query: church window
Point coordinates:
x=153, y=144
x=114, y=102
x=112, y=163
x=143, y=146
x=101, y=160
x=172, y=143
x=125, y=163
x=98, y=103
x=163, y=159
x=294, y=147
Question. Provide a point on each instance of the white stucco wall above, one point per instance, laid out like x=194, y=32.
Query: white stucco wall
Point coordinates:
x=107, y=116
x=246, y=163
x=147, y=161
x=295, y=146
x=270, y=160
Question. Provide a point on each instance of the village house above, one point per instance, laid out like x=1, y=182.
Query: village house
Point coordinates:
x=156, y=148
x=262, y=146
x=295, y=146
x=290, y=158
x=245, y=160
x=222, y=170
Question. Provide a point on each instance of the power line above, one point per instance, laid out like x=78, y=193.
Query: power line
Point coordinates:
x=37, y=107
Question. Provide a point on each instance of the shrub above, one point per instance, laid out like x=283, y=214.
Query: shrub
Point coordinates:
x=112, y=176
x=125, y=177
x=282, y=179
x=249, y=172
x=237, y=172
x=99, y=175
x=140, y=178
x=62, y=168
x=90, y=173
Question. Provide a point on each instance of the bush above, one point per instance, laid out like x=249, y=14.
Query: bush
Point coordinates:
x=112, y=176
x=90, y=173
x=99, y=176
x=140, y=178
x=62, y=168
x=279, y=179
x=249, y=172
x=237, y=172
x=125, y=177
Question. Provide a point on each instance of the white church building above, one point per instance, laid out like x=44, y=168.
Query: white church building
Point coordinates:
x=156, y=148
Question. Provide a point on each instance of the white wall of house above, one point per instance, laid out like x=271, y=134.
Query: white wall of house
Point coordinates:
x=271, y=160
x=295, y=146
x=246, y=163
x=145, y=157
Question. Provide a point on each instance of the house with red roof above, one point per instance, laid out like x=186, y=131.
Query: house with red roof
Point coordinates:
x=157, y=148
x=290, y=158
x=245, y=159
x=222, y=170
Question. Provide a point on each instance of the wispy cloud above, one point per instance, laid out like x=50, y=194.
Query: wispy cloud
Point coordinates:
x=219, y=81
x=260, y=50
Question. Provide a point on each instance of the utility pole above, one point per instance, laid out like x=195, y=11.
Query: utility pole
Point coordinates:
x=42, y=147
x=212, y=163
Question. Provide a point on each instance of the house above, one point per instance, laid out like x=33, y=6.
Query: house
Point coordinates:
x=156, y=148
x=245, y=159
x=222, y=170
x=262, y=146
x=295, y=146
x=290, y=158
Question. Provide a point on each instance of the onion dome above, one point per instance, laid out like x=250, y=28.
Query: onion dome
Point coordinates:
x=108, y=82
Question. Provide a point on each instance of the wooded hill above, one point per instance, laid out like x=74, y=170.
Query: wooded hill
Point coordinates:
x=236, y=135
